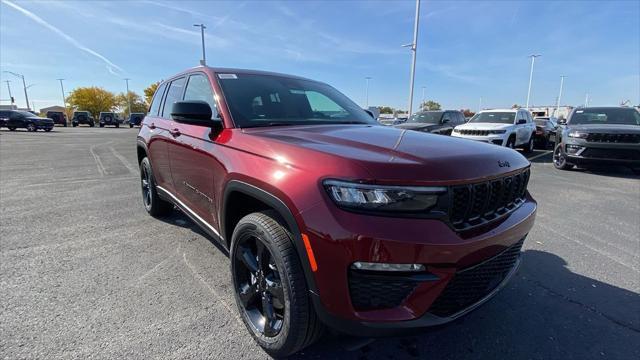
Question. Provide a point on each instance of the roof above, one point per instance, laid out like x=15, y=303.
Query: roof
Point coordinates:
x=223, y=70
x=499, y=110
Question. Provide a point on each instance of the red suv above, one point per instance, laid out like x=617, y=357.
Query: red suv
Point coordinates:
x=329, y=218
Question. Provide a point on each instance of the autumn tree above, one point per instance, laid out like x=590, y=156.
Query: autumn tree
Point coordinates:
x=430, y=105
x=92, y=99
x=515, y=106
x=467, y=113
x=138, y=105
x=386, y=110
x=149, y=91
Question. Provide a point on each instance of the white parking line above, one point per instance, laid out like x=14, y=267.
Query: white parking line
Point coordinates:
x=540, y=155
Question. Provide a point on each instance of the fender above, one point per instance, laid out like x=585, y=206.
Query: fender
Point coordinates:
x=286, y=214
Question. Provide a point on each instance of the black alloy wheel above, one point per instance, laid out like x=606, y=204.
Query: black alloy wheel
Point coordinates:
x=154, y=205
x=145, y=182
x=259, y=286
x=559, y=159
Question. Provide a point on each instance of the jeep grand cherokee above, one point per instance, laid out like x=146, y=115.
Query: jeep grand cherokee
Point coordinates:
x=330, y=218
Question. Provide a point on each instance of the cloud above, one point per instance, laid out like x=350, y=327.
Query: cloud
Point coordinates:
x=111, y=67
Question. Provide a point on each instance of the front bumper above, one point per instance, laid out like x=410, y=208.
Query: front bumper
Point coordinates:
x=581, y=152
x=340, y=238
x=496, y=139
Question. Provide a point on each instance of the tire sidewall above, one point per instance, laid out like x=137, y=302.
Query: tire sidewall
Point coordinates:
x=145, y=164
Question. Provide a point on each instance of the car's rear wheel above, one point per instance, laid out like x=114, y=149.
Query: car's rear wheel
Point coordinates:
x=48, y=129
x=154, y=205
x=11, y=128
x=130, y=125
x=560, y=160
x=270, y=288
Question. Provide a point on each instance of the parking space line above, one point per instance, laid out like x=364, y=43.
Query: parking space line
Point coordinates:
x=540, y=155
x=124, y=161
x=101, y=168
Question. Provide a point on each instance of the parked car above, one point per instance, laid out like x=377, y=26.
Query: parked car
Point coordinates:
x=58, y=117
x=109, y=118
x=599, y=136
x=330, y=219
x=511, y=128
x=15, y=119
x=436, y=122
x=545, y=131
x=135, y=119
x=82, y=117
x=4, y=116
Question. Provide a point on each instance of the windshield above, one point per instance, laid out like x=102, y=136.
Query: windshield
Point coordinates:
x=430, y=117
x=596, y=116
x=494, y=117
x=269, y=100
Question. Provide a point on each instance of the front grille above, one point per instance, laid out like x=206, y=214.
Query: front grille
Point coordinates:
x=477, y=204
x=369, y=292
x=471, y=285
x=474, y=132
x=615, y=154
x=614, y=138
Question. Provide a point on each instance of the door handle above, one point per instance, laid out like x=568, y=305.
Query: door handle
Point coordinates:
x=152, y=126
x=175, y=132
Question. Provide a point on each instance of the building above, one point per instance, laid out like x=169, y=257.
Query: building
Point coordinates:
x=52, y=108
x=550, y=110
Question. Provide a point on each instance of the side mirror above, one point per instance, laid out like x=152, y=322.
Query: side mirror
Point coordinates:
x=522, y=121
x=444, y=121
x=194, y=112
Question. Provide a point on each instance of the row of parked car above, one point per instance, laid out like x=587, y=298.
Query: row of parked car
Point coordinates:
x=20, y=119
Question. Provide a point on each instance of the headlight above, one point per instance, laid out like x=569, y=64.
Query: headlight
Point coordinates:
x=497, y=131
x=383, y=198
x=578, y=134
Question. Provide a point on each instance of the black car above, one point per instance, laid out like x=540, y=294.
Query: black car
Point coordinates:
x=599, y=135
x=434, y=121
x=14, y=119
x=109, y=118
x=135, y=119
x=545, y=131
x=82, y=117
x=58, y=117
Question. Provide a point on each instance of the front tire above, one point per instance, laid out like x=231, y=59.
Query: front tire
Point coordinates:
x=528, y=148
x=560, y=159
x=269, y=286
x=152, y=202
x=511, y=142
x=31, y=127
x=12, y=128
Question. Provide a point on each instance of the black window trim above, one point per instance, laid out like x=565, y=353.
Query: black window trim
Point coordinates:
x=213, y=91
x=166, y=92
x=157, y=114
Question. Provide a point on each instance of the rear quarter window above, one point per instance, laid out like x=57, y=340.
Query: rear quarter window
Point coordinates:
x=157, y=100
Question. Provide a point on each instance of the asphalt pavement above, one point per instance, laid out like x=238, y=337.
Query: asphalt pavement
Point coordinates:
x=86, y=273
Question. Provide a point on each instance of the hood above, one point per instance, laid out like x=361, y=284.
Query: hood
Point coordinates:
x=415, y=126
x=388, y=154
x=606, y=129
x=483, y=126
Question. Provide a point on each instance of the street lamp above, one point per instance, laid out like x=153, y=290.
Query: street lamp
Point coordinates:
x=9, y=88
x=64, y=100
x=423, y=99
x=128, y=98
x=24, y=86
x=204, y=57
x=367, y=92
x=533, y=60
x=413, y=46
x=560, y=95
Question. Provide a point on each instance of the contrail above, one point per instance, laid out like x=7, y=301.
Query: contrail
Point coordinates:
x=110, y=65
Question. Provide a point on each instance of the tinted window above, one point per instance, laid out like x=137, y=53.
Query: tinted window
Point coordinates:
x=198, y=88
x=626, y=116
x=4, y=114
x=497, y=117
x=173, y=94
x=448, y=116
x=269, y=100
x=157, y=100
x=429, y=117
x=460, y=118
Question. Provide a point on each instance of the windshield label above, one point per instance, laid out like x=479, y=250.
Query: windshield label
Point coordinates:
x=227, y=76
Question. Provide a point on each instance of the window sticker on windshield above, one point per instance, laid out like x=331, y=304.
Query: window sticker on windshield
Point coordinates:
x=579, y=111
x=227, y=76
x=299, y=92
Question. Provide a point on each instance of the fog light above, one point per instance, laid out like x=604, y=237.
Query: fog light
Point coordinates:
x=386, y=267
x=574, y=149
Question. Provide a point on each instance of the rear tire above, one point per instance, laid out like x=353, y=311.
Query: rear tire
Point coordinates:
x=117, y=126
x=528, y=148
x=12, y=129
x=560, y=159
x=130, y=125
x=47, y=130
x=74, y=124
x=264, y=247
x=152, y=202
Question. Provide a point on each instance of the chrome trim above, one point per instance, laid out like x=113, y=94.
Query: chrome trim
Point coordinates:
x=191, y=212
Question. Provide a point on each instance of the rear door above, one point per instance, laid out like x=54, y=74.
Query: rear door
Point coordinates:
x=521, y=129
x=158, y=139
x=193, y=156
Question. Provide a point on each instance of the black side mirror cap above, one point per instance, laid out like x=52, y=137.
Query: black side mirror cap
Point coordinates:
x=522, y=121
x=194, y=112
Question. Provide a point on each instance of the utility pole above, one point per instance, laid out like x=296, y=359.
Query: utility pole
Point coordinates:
x=64, y=99
x=533, y=60
x=423, y=99
x=203, y=62
x=413, y=46
x=24, y=86
x=586, y=100
x=9, y=88
x=480, y=104
x=367, y=92
x=560, y=95
x=128, y=97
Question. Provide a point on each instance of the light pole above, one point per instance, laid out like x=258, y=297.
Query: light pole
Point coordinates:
x=204, y=57
x=9, y=88
x=533, y=60
x=586, y=100
x=560, y=95
x=413, y=46
x=32, y=103
x=64, y=100
x=480, y=104
x=367, y=92
x=24, y=86
x=423, y=99
x=128, y=97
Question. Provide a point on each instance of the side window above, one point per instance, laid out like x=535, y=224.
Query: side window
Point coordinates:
x=447, y=116
x=173, y=94
x=198, y=88
x=460, y=118
x=4, y=114
x=157, y=100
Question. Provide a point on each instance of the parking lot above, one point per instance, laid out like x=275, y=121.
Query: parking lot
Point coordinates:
x=86, y=273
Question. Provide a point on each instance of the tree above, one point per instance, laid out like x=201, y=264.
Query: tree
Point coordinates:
x=467, y=113
x=92, y=99
x=515, y=106
x=137, y=103
x=149, y=91
x=430, y=105
x=386, y=110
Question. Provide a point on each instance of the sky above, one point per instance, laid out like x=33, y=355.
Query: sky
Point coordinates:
x=469, y=54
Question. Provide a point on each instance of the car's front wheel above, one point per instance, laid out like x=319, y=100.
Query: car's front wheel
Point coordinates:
x=511, y=142
x=11, y=128
x=31, y=127
x=560, y=159
x=270, y=288
x=154, y=205
x=528, y=148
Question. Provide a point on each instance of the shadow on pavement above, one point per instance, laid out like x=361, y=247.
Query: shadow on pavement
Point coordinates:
x=546, y=312
x=177, y=217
